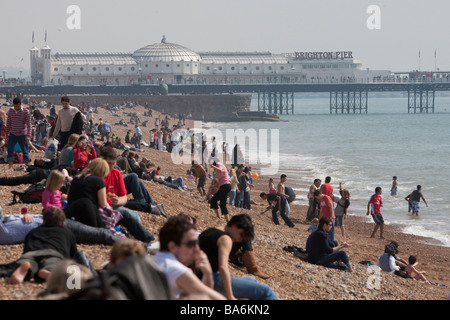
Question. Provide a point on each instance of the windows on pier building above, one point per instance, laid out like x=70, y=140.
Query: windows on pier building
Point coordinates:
x=165, y=62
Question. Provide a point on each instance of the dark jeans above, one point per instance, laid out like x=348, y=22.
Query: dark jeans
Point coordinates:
x=282, y=214
x=137, y=144
x=12, y=140
x=221, y=196
x=175, y=184
x=137, y=188
x=63, y=137
x=244, y=199
x=313, y=209
x=34, y=176
x=90, y=235
x=329, y=260
x=134, y=227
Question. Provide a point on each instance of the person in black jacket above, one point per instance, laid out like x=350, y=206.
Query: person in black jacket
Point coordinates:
x=40, y=170
x=321, y=253
x=44, y=248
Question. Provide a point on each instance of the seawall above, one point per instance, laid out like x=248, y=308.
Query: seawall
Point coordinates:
x=206, y=107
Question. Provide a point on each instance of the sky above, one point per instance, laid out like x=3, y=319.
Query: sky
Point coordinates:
x=403, y=28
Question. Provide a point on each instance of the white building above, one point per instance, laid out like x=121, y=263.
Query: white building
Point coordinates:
x=172, y=63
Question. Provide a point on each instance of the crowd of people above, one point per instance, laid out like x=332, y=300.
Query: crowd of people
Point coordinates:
x=85, y=195
x=86, y=201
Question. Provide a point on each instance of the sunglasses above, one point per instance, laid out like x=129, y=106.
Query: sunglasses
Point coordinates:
x=191, y=243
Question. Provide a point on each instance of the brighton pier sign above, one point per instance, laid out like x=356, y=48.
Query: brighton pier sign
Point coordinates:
x=326, y=55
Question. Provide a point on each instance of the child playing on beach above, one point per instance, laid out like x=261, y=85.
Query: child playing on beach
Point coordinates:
x=413, y=272
x=394, y=186
x=407, y=198
x=314, y=225
x=374, y=206
x=213, y=188
x=272, y=186
x=341, y=209
x=52, y=196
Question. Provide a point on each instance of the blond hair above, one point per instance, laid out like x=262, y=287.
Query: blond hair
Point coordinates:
x=54, y=180
x=97, y=167
x=72, y=140
x=233, y=173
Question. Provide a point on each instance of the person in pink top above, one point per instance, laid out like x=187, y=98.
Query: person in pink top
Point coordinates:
x=224, y=188
x=272, y=186
x=52, y=196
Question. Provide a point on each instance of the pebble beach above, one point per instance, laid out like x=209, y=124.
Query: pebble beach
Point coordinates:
x=291, y=278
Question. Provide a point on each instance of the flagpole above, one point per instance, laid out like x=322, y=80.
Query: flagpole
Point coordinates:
x=419, y=60
x=435, y=68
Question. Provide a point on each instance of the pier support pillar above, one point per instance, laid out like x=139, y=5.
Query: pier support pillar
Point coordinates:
x=276, y=102
x=421, y=100
x=349, y=101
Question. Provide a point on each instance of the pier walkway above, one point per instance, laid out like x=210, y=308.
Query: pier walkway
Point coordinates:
x=275, y=98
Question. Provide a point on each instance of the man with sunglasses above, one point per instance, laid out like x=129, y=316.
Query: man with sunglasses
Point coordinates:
x=217, y=244
x=321, y=253
x=179, y=250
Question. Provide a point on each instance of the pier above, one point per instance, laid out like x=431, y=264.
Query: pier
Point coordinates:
x=273, y=98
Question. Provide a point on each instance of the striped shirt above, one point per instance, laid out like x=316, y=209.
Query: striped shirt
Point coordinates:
x=18, y=122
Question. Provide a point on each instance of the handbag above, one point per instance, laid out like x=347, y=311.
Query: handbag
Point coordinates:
x=110, y=218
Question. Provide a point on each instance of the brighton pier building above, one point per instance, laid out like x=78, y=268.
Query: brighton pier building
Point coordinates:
x=171, y=63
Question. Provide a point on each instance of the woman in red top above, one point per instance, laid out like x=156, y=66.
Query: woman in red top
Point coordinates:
x=83, y=152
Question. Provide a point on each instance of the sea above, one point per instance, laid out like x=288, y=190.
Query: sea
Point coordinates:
x=364, y=151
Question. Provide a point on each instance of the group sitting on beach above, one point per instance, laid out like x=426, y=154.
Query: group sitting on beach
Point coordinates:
x=86, y=201
x=88, y=184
